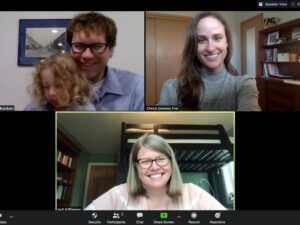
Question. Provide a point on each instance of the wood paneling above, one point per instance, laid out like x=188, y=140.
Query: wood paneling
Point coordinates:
x=165, y=38
x=150, y=60
x=101, y=179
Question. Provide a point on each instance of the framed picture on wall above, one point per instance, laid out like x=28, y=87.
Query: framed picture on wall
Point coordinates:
x=272, y=37
x=40, y=38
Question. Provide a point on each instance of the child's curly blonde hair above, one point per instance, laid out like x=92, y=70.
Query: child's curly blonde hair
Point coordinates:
x=68, y=74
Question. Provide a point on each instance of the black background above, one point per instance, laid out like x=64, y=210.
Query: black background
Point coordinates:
x=267, y=156
x=27, y=160
x=266, y=149
x=266, y=160
x=153, y=5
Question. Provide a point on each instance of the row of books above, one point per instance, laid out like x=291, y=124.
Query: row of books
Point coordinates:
x=275, y=55
x=296, y=34
x=64, y=159
x=271, y=70
x=61, y=191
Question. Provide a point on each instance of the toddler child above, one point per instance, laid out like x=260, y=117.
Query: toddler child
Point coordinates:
x=60, y=85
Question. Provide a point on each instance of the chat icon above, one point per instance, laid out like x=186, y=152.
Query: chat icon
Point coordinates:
x=139, y=215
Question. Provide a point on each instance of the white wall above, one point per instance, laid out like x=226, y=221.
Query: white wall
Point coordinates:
x=285, y=16
x=14, y=79
x=234, y=19
x=230, y=17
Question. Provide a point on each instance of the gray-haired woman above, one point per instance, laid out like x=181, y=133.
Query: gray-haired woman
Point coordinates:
x=154, y=183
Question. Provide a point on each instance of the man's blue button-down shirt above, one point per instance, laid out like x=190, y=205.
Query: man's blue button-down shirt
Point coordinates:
x=121, y=91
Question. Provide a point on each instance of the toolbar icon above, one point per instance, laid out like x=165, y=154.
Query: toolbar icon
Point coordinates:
x=139, y=215
x=194, y=215
x=164, y=215
x=218, y=215
x=116, y=216
x=94, y=215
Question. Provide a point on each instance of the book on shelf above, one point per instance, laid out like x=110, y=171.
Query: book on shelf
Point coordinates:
x=58, y=155
x=64, y=159
x=273, y=71
x=61, y=191
x=291, y=81
x=296, y=33
x=70, y=162
x=268, y=57
x=281, y=76
x=283, y=57
x=67, y=161
x=275, y=51
x=265, y=71
x=271, y=55
x=64, y=192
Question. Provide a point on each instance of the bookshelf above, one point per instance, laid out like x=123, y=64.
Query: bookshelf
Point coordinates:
x=279, y=93
x=67, y=161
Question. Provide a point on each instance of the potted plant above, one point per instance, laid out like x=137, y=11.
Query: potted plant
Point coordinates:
x=293, y=53
x=271, y=21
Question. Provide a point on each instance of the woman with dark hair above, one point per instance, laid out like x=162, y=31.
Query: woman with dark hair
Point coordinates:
x=154, y=183
x=207, y=80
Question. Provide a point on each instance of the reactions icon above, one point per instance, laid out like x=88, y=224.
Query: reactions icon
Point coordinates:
x=218, y=215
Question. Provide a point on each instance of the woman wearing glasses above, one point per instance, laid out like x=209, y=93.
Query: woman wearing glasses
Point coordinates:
x=154, y=183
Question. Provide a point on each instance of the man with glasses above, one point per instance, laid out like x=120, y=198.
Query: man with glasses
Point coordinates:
x=92, y=37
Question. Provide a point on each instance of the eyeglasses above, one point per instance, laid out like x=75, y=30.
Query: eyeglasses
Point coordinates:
x=147, y=163
x=96, y=48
